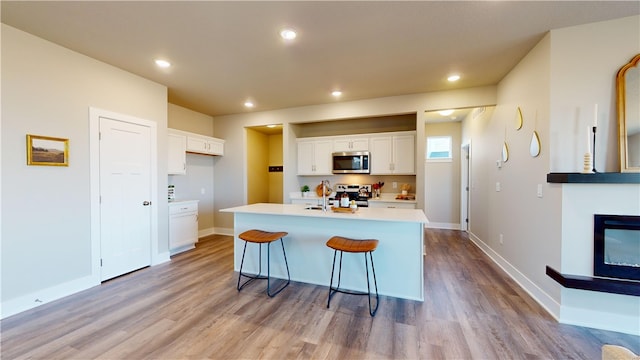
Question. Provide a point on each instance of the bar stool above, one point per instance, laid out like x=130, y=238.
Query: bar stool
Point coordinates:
x=260, y=237
x=342, y=244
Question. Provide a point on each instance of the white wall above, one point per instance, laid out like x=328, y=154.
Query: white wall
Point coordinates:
x=556, y=85
x=47, y=90
x=515, y=211
x=442, y=180
x=231, y=169
x=197, y=183
x=583, y=74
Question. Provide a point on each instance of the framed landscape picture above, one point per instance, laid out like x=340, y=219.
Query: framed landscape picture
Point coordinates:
x=45, y=150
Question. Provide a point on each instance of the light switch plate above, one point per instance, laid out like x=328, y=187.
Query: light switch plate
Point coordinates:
x=539, y=190
x=498, y=186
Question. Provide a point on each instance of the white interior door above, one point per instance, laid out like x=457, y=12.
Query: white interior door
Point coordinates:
x=125, y=197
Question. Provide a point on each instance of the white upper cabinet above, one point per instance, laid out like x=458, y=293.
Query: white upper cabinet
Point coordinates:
x=345, y=143
x=314, y=156
x=177, y=157
x=393, y=154
x=207, y=145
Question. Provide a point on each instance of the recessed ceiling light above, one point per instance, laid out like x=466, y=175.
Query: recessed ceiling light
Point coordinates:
x=162, y=63
x=249, y=104
x=288, y=34
x=271, y=126
x=336, y=93
x=453, y=78
x=445, y=112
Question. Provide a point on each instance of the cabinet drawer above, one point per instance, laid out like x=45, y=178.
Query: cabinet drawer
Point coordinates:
x=178, y=208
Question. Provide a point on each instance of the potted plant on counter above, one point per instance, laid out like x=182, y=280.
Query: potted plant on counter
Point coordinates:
x=305, y=190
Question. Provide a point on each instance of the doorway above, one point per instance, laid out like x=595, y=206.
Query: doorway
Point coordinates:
x=264, y=165
x=123, y=163
x=465, y=186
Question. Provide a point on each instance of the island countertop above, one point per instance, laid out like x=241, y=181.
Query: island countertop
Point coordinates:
x=363, y=213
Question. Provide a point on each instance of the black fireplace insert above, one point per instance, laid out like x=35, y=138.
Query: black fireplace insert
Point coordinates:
x=616, y=246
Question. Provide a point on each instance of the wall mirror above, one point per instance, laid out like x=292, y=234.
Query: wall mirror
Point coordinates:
x=534, y=145
x=628, y=101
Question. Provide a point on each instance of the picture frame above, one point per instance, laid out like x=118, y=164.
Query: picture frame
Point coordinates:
x=47, y=151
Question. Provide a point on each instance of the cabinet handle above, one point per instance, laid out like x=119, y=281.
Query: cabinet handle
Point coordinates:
x=146, y=203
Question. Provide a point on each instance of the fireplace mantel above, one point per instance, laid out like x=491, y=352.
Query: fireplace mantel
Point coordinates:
x=613, y=286
x=596, y=178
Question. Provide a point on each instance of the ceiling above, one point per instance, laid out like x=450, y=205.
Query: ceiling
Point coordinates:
x=226, y=52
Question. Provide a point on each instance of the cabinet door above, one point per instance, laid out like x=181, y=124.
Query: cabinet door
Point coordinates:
x=322, y=157
x=314, y=157
x=183, y=230
x=196, y=144
x=305, y=158
x=404, y=154
x=215, y=147
x=381, y=160
x=341, y=145
x=359, y=144
x=176, y=160
x=351, y=144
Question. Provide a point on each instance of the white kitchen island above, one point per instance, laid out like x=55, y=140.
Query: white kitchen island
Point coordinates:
x=398, y=259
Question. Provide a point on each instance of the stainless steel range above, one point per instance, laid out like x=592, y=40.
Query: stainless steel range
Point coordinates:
x=360, y=193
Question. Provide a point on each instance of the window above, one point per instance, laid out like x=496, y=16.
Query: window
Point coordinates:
x=439, y=148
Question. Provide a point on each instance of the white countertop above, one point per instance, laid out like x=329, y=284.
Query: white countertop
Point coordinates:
x=391, y=199
x=177, y=202
x=363, y=213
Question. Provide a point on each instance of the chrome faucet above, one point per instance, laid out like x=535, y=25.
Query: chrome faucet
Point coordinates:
x=324, y=194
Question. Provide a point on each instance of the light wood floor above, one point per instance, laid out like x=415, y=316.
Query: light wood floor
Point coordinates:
x=189, y=308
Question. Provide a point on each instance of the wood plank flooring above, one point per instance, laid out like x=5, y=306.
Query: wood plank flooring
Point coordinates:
x=190, y=309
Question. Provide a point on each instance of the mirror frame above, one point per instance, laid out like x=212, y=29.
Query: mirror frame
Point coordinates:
x=622, y=121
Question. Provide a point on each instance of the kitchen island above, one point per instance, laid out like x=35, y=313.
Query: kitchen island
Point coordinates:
x=398, y=259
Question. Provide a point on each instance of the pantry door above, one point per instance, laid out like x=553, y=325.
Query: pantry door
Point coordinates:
x=125, y=197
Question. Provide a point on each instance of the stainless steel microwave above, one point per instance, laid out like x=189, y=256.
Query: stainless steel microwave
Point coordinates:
x=351, y=162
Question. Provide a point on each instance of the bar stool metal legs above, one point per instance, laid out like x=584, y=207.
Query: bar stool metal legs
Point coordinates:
x=356, y=246
x=259, y=236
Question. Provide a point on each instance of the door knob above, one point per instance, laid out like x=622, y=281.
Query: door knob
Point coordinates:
x=146, y=203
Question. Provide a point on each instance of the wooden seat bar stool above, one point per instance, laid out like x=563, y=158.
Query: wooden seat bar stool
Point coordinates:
x=261, y=237
x=342, y=244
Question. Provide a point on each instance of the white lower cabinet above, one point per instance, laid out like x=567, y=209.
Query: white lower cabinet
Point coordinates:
x=183, y=225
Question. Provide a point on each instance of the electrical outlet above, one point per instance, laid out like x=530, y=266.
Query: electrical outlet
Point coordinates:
x=202, y=191
x=501, y=239
x=394, y=185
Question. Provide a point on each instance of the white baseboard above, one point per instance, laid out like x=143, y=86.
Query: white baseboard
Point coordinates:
x=224, y=231
x=447, y=226
x=41, y=297
x=541, y=297
x=206, y=232
x=160, y=258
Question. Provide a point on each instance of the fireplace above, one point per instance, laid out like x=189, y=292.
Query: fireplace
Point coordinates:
x=616, y=246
